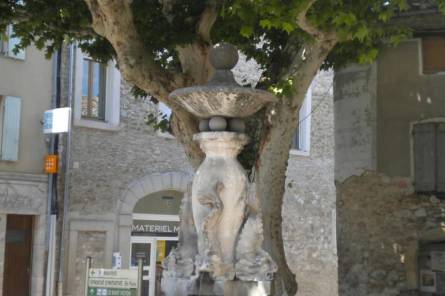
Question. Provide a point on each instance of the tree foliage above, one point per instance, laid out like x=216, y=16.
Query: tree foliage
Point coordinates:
x=260, y=28
x=160, y=45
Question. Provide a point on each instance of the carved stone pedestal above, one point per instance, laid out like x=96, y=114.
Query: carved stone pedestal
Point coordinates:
x=222, y=254
x=245, y=288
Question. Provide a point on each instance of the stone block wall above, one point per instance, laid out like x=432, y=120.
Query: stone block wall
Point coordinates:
x=309, y=207
x=382, y=223
x=91, y=243
x=105, y=162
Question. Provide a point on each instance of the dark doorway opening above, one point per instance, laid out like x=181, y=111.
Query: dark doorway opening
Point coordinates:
x=18, y=253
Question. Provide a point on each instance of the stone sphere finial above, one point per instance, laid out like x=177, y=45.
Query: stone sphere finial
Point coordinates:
x=223, y=56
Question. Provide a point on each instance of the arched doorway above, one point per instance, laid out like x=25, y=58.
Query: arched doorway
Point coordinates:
x=153, y=235
x=149, y=223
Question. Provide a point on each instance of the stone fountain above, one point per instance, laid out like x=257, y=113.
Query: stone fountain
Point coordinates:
x=220, y=240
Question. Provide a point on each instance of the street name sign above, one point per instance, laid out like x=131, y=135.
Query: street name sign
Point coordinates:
x=112, y=282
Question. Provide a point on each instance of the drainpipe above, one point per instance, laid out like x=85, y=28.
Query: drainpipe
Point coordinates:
x=66, y=193
x=52, y=186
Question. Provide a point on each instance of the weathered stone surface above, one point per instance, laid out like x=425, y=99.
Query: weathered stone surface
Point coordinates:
x=21, y=196
x=222, y=96
x=379, y=223
x=108, y=161
x=229, y=235
x=309, y=215
x=92, y=244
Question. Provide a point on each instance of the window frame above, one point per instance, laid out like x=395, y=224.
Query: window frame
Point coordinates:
x=437, y=121
x=7, y=50
x=7, y=152
x=102, y=90
x=304, y=127
x=163, y=109
x=421, y=46
x=112, y=95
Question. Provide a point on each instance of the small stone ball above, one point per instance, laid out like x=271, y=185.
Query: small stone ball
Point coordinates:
x=223, y=56
x=204, y=125
x=218, y=124
x=237, y=125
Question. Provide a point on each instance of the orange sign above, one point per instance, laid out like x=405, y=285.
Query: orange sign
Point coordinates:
x=51, y=163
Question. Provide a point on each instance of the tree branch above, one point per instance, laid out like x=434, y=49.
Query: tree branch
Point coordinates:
x=113, y=19
x=194, y=57
x=309, y=28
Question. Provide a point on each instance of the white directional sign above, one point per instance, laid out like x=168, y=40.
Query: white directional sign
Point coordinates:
x=112, y=282
x=56, y=120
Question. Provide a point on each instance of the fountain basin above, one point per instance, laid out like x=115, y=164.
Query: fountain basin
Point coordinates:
x=228, y=100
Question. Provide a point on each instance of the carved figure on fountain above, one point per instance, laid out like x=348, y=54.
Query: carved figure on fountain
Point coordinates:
x=224, y=207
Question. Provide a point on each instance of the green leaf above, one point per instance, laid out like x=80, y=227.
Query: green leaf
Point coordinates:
x=343, y=18
x=246, y=31
x=266, y=24
x=368, y=56
x=361, y=33
x=288, y=27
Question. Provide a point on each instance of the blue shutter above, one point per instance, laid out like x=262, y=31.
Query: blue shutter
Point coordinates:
x=440, y=142
x=11, y=128
x=12, y=42
x=424, y=157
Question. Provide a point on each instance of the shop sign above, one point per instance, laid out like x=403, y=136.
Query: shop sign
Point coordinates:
x=112, y=282
x=155, y=228
x=56, y=120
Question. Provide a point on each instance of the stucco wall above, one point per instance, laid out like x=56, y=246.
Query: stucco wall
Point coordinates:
x=31, y=80
x=309, y=207
x=404, y=96
x=355, y=120
x=381, y=221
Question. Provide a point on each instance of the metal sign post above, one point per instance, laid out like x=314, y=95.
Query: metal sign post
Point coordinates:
x=87, y=273
x=140, y=268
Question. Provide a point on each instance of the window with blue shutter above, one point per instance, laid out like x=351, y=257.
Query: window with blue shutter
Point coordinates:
x=429, y=158
x=10, y=128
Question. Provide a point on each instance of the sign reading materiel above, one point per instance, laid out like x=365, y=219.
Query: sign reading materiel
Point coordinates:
x=56, y=120
x=112, y=282
x=155, y=228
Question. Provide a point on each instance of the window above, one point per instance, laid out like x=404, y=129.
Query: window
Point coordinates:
x=96, y=93
x=8, y=45
x=433, y=58
x=10, y=127
x=93, y=89
x=163, y=119
x=429, y=158
x=301, y=143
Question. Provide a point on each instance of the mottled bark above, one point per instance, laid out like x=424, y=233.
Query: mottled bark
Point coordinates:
x=271, y=166
x=113, y=19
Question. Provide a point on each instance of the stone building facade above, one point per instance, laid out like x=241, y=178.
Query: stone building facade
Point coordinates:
x=389, y=167
x=122, y=172
x=309, y=211
x=26, y=91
